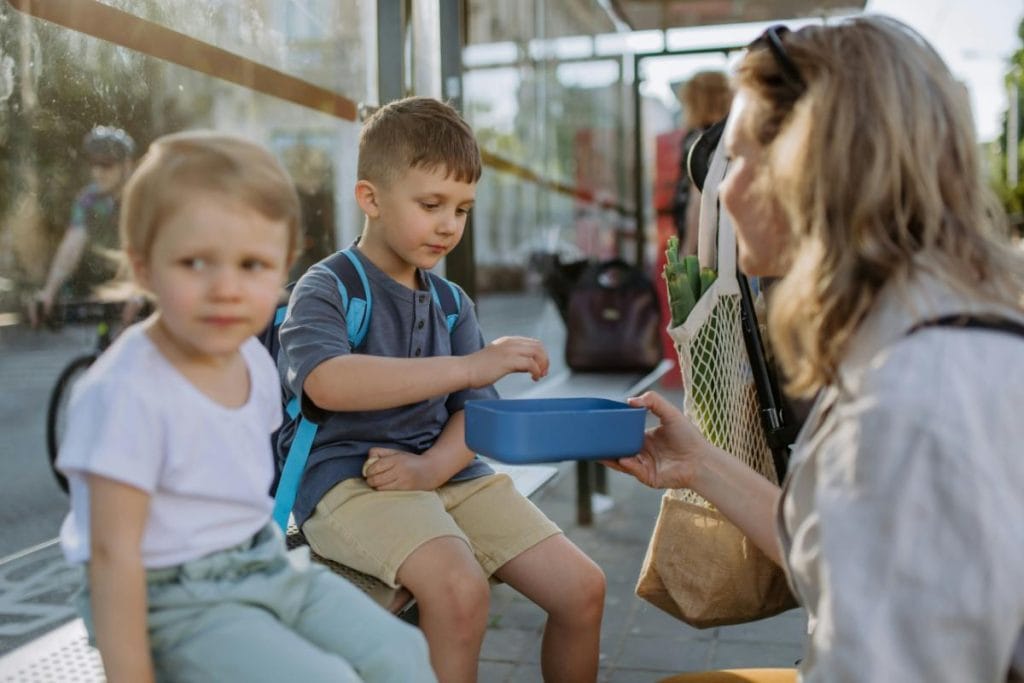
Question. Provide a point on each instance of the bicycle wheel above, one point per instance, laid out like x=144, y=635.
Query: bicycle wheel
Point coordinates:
x=56, y=413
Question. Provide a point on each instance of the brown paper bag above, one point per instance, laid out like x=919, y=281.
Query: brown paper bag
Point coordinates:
x=701, y=569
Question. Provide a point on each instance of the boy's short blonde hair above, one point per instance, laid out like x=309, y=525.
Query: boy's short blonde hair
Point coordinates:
x=417, y=132
x=204, y=161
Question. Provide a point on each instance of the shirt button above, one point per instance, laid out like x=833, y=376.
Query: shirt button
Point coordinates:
x=419, y=325
x=417, y=352
x=422, y=298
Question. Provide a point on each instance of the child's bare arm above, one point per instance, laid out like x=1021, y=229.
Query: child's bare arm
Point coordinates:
x=400, y=471
x=363, y=382
x=117, y=579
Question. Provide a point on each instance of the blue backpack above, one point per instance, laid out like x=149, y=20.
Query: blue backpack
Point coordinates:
x=354, y=288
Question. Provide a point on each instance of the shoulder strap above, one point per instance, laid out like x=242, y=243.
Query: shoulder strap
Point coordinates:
x=354, y=288
x=972, y=322
x=356, y=299
x=447, y=296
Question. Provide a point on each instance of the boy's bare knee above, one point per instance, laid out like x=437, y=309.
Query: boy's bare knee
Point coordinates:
x=466, y=595
x=458, y=604
x=584, y=599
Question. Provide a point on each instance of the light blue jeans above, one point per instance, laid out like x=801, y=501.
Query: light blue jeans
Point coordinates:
x=256, y=612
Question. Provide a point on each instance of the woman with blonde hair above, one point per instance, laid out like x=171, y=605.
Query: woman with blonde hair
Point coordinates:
x=706, y=98
x=855, y=174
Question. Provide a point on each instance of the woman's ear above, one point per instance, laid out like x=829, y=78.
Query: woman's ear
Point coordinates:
x=367, y=197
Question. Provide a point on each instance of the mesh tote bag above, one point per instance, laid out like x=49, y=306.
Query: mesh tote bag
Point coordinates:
x=699, y=567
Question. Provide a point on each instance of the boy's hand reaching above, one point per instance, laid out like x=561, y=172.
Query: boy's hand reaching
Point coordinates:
x=387, y=469
x=504, y=356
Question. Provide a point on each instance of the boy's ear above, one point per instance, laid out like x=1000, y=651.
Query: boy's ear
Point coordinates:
x=368, y=198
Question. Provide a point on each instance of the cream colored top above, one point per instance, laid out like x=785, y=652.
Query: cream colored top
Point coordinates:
x=902, y=518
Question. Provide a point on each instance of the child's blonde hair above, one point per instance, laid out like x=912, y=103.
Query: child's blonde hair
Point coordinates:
x=204, y=161
x=417, y=132
x=875, y=163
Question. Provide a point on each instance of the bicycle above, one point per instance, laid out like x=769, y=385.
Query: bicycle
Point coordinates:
x=107, y=315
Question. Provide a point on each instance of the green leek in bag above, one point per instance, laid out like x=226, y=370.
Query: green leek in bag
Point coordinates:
x=686, y=281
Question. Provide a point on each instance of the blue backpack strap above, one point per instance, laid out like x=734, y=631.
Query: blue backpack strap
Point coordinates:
x=447, y=297
x=294, y=465
x=354, y=289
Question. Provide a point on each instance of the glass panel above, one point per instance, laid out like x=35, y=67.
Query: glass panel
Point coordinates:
x=55, y=85
x=325, y=42
x=565, y=121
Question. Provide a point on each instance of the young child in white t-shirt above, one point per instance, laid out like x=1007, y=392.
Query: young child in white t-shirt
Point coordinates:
x=168, y=455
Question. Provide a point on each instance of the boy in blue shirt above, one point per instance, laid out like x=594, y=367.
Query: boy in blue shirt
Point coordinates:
x=390, y=487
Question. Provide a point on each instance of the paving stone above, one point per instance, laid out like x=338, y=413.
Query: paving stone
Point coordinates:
x=495, y=672
x=509, y=644
x=666, y=654
x=782, y=628
x=737, y=654
x=651, y=621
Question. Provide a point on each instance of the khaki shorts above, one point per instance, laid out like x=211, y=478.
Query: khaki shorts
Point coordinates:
x=376, y=531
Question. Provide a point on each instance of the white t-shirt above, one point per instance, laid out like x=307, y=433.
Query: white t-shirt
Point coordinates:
x=136, y=419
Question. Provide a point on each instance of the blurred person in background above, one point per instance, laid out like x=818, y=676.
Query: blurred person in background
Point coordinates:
x=706, y=98
x=86, y=256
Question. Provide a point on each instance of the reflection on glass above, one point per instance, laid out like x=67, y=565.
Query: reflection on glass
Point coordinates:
x=566, y=124
x=55, y=86
x=324, y=42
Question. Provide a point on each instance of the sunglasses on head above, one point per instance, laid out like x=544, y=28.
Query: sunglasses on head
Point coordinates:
x=772, y=37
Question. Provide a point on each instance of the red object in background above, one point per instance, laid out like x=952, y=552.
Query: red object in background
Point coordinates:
x=666, y=174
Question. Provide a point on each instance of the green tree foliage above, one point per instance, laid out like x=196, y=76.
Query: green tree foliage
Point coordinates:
x=1012, y=194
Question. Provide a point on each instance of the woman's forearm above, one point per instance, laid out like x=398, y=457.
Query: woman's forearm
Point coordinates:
x=743, y=496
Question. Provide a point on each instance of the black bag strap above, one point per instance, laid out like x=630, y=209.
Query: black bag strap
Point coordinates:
x=779, y=425
x=972, y=322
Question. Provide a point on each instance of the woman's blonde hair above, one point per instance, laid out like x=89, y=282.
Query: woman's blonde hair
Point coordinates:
x=204, y=161
x=875, y=164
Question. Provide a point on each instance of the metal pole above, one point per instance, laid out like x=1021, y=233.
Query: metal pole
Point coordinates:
x=1013, y=137
x=638, y=161
x=460, y=264
x=390, y=58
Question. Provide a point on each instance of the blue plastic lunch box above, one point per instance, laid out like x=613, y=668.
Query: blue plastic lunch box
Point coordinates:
x=521, y=431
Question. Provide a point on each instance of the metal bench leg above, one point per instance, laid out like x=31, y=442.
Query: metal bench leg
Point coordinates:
x=600, y=478
x=584, y=492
